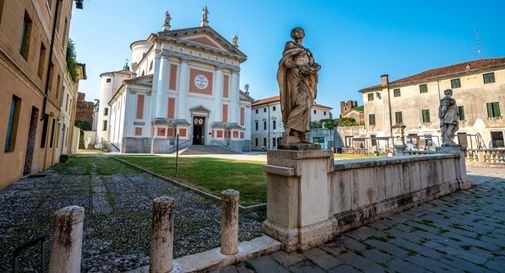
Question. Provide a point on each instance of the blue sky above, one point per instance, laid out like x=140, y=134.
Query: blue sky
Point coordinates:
x=354, y=41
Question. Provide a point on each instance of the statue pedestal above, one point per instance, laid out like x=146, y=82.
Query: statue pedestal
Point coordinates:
x=299, y=147
x=460, y=151
x=400, y=149
x=298, y=197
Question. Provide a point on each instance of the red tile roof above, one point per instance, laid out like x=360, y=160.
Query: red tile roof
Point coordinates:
x=277, y=99
x=469, y=67
x=266, y=100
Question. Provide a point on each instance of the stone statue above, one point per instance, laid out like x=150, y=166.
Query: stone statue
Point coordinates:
x=448, y=113
x=234, y=40
x=205, y=17
x=297, y=79
x=168, y=19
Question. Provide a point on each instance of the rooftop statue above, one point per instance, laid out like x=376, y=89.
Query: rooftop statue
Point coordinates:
x=234, y=40
x=297, y=79
x=166, y=22
x=205, y=17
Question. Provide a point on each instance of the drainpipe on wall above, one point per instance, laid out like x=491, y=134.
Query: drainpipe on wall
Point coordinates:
x=51, y=53
x=48, y=77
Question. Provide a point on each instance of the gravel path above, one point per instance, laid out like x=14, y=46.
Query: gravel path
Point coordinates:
x=117, y=200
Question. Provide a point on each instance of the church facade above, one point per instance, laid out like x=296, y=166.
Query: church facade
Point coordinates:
x=184, y=82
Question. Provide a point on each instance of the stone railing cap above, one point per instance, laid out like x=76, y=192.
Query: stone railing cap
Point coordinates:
x=374, y=162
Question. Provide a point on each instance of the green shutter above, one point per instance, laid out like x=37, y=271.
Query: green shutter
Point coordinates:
x=371, y=119
x=398, y=117
x=461, y=112
x=496, y=109
x=426, y=115
x=489, y=107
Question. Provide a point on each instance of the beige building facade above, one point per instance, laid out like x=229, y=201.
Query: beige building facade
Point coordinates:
x=33, y=78
x=412, y=103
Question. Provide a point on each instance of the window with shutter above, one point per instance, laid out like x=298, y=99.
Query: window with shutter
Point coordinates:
x=461, y=112
x=426, y=116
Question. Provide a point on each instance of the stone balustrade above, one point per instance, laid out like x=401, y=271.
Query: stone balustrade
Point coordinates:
x=311, y=199
x=486, y=157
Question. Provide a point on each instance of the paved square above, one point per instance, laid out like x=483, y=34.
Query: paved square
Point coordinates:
x=461, y=232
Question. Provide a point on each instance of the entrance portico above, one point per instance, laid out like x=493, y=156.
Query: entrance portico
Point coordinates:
x=199, y=115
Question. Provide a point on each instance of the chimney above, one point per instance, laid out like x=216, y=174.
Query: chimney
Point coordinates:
x=384, y=79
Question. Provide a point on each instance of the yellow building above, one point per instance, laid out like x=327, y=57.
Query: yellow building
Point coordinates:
x=34, y=77
x=413, y=101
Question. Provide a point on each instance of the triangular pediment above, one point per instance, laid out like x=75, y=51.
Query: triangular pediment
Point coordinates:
x=200, y=109
x=204, y=40
x=203, y=37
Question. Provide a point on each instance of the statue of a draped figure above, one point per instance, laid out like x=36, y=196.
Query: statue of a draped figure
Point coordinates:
x=297, y=78
x=448, y=113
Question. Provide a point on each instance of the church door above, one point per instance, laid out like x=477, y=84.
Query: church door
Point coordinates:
x=198, y=131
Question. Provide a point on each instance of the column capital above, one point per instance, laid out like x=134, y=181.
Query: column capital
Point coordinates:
x=164, y=53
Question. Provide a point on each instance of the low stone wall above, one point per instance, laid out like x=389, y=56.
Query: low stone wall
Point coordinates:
x=136, y=145
x=363, y=191
x=311, y=199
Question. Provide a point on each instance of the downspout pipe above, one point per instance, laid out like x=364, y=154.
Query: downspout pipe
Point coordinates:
x=51, y=53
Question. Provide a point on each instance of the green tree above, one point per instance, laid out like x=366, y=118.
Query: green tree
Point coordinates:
x=315, y=125
x=83, y=125
x=71, y=60
x=330, y=123
x=346, y=122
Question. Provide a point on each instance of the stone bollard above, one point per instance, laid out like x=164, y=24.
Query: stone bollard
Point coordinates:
x=162, y=237
x=67, y=240
x=229, y=222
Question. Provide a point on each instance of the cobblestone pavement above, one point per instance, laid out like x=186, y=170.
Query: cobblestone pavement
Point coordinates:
x=117, y=200
x=461, y=232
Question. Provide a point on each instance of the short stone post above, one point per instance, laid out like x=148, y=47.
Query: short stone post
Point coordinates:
x=162, y=237
x=67, y=240
x=229, y=222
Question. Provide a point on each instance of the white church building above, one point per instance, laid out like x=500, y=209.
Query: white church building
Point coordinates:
x=182, y=82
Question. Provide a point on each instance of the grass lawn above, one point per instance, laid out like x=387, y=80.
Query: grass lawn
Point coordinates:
x=96, y=164
x=212, y=175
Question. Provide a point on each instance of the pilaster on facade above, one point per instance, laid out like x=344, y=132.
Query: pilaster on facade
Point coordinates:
x=218, y=93
x=162, y=96
x=234, y=97
x=183, y=91
x=156, y=78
